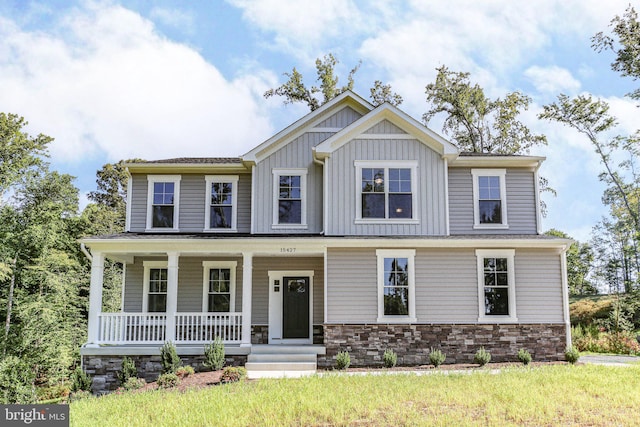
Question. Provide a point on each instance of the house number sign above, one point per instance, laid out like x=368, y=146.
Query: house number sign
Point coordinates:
x=287, y=250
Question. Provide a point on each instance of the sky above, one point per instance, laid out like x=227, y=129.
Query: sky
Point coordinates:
x=112, y=80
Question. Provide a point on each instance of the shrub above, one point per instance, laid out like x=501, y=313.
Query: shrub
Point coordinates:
x=214, y=355
x=572, y=355
x=232, y=374
x=79, y=395
x=524, y=356
x=53, y=392
x=167, y=380
x=128, y=370
x=16, y=381
x=133, y=383
x=343, y=360
x=437, y=357
x=80, y=380
x=184, y=371
x=587, y=312
x=169, y=358
x=389, y=358
x=482, y=357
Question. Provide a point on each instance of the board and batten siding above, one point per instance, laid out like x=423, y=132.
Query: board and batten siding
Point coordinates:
x=297, y=154
x=446, y=286
x=190, y=283
x=341, y=119
x=193, y=196
x=342, y=183
x=521, y=202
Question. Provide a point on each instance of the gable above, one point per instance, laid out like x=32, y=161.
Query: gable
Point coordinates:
x=341, y=119
x=385, y=127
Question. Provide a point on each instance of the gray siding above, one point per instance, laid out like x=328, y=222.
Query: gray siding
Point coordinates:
x=341, y=119
x=538, y=286
x=384, y=127
x=296, y=154
x=341, y=191
x=191, y=215
x=521, y=202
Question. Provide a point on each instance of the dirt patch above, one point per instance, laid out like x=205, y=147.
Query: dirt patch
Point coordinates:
x=194, y=381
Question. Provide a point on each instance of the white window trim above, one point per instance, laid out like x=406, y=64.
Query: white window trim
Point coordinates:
x=148, y=265
x=410, y=254
x=502, y=174
x=277, y=173
x=207, y=266
x=386, y=165
x=152, y=179
x=509, y=254
x=210, y=180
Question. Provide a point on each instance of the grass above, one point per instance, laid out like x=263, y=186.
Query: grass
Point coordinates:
x=554, y=395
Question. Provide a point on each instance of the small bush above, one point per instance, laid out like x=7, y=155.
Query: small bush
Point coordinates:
x=437, y=357
x=572, y=355
x=232, y=374
x=524, y=356
x=128, y=370
x=169, y=358
x=389, y=358
x=185, y=371
x=587, y=312
x=482, y=357
x=80, y=380
x=214, y=355
x=16, y=381
x=133, y=384
x=168, y=380
x=343, y=360
x=79, y=395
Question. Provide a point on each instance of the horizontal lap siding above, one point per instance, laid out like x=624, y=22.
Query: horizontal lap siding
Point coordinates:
x=341, y=192
x=538, y=286
x=138, y=202
x=244, y=204
x=192, y=200
x=133, y=287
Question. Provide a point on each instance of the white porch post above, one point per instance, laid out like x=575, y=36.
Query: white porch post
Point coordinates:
x=95, y=298
x=172, y=295
x=247, y=282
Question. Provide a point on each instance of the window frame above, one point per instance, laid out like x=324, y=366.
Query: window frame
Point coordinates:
x=153, y=179
x=509, y=254
x=502, y=174
x=381, y=255
x=207, y=266
x=217, y=179
x=386, y=165
x=148, y=266
x=302, y=173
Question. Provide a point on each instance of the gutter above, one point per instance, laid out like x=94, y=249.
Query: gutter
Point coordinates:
x=86, y=253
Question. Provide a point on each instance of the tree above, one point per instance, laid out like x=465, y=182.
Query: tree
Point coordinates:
x=294, y=89
x=579, y=261
x=476, y=123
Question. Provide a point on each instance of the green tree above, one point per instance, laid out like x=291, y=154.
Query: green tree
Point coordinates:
x=579, y=265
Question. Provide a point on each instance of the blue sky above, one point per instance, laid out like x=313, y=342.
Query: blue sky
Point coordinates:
x=122, y=79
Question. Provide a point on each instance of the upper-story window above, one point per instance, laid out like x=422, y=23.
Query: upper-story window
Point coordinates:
x=396, y=285
x=496, y=285
x=155, y=282
x=386, y=191
x=163, y=201
x=221, y=202
x=219, y=287
x=290, y=198
x=490, y=198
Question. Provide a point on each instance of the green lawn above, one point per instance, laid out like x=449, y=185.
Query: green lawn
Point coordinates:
x=554, y=395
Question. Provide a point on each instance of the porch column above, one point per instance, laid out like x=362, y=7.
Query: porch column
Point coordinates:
x=95, y=298
x=247, y=283
x=172, y=295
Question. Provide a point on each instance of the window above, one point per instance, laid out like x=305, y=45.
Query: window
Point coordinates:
x=162, y=202
x=396, y=285
x=219, y=286
x=221, y=203
x=386, y=192
x=290, y=205
x=155, y=287
x=496, y=285
x=490, y=200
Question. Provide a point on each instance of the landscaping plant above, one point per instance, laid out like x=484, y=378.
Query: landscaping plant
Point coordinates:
x=185, y=371
x=389, y=358
x=167, y=380
x=482, y=357
x=437, y=357
x=214, y=354
x=232, y=374
x=128, y=370
x=169, y=358
x=343, y=360
x=524, y=356
x=572, y=355
x=133, y=383
x=80, y=380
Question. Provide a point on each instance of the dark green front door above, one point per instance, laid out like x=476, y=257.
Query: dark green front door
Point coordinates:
x=295, y=308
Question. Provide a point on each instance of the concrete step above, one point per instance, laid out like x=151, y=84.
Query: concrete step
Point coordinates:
x=280, y=357
x=278, y=374
x=280, y=366
x=287, y=349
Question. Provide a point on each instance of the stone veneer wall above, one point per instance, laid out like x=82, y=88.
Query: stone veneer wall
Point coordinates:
x=260, y=334
x=412, y=343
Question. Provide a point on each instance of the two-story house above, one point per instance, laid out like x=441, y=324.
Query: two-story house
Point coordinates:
x=355, y=228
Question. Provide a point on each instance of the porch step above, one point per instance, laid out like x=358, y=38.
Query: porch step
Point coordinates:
x=276, y=361
x=279, y=357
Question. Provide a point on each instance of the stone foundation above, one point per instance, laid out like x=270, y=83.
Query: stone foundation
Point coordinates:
x=412, y=343
x=260, y=334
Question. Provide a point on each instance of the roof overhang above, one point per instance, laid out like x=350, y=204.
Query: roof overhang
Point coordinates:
x=172, y=168
x=498, y=161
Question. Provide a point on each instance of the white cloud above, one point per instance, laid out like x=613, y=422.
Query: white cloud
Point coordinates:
x=552, y=80
x=176, y=18
x=104, y=81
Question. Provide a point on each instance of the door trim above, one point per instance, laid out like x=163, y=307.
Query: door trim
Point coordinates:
x=276, y=306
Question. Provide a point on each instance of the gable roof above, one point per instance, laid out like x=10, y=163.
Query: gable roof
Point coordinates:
x=345, y=99
x=398, y=118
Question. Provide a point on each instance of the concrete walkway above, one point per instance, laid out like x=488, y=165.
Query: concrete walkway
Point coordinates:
x=610, y=360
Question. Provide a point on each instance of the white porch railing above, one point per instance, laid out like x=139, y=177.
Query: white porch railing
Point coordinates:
x=150, y=328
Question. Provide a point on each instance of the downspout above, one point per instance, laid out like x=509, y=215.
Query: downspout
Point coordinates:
x=538, y=199
x=565, y=293
x=324, y=191
x=86, y=253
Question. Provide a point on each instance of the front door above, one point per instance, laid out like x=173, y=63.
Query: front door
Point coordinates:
x=295, y=307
